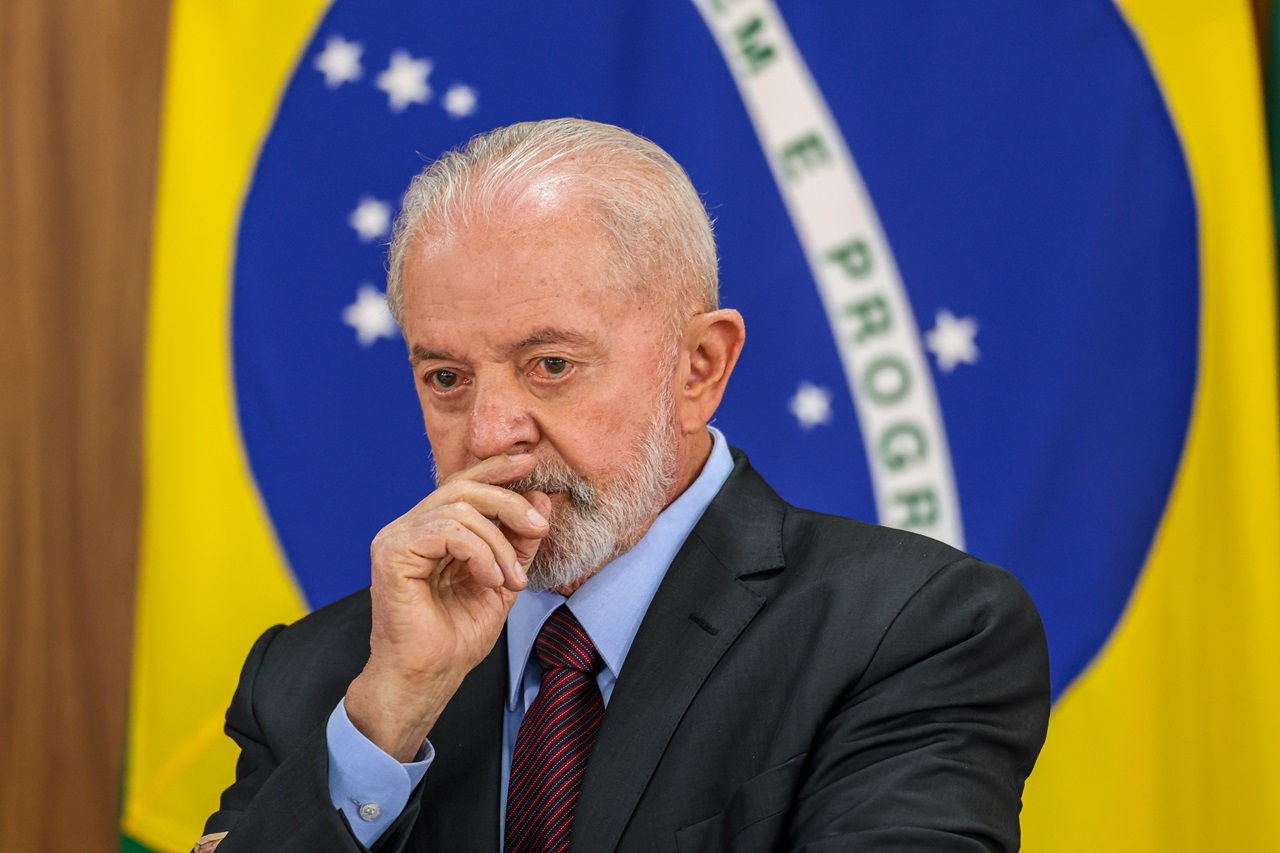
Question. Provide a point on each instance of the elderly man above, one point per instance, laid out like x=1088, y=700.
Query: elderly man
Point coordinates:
x=603, y=628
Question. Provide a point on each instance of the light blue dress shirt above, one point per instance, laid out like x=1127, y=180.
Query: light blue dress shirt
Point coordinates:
x=372, y=788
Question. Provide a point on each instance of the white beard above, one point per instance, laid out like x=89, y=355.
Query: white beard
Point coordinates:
x=601, y=521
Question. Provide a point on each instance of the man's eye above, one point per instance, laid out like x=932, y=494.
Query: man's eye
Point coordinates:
x=442, y=380
x=554, y=366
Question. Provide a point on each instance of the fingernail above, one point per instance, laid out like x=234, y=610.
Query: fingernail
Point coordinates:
x=518, y=457
x=519, y=573
x=536, y=518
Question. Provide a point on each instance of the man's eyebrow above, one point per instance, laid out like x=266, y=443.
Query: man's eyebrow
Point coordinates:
x=419, y=353
x=550, y=335
x=542, y=337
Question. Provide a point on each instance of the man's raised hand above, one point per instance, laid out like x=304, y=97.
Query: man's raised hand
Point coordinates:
x=444, y=577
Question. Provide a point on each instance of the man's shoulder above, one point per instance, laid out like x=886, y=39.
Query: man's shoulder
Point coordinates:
x=295, y=675
x=350, y=610
x=813, y=536
x=849, y=557
x=749, y=507
x=331, y=641
x=878, y=574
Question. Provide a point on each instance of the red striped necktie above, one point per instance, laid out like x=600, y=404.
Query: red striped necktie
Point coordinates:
x=555, y=739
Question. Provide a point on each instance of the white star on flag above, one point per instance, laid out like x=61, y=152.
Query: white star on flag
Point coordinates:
x=405, y=81
x=951, y=340
x=370, y=316
x=371, y=219
x=811, y=404
x=340, y=61
x=460, y=101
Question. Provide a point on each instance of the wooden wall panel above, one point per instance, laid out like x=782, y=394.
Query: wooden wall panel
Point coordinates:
x=80, y=85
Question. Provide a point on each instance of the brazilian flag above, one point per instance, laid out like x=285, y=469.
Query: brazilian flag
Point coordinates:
x=1009, y=279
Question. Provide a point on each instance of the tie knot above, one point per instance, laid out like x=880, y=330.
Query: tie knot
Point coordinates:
x=563, y=644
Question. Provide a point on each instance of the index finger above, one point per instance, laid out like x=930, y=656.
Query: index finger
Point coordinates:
x=483, y=486
x=496, y=470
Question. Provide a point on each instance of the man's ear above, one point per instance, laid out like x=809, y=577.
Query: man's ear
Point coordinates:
x=712, y=343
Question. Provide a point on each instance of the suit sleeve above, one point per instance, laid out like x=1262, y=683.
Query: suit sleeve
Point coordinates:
x=280, y=801
x=930, y=747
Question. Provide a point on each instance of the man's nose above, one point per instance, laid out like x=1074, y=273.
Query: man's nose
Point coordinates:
x=500, y=420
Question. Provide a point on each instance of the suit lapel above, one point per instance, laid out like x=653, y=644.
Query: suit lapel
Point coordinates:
x=460, y=800
x=700, y=609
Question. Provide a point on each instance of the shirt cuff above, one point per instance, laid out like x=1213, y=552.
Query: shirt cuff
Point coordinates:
x=369, y=786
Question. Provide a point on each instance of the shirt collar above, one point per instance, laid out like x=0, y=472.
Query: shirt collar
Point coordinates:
x=612, y=603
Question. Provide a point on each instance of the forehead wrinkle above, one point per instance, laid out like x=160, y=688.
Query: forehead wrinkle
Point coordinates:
x=550, y=335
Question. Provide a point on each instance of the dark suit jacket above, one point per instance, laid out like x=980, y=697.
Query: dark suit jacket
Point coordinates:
x=800, y=681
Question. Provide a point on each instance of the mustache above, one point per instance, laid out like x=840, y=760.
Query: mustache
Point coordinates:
x=555, y=476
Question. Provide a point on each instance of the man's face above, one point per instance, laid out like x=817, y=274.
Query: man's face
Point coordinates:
x=521, y=342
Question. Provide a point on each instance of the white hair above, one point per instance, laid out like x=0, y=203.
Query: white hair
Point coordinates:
x=663, y=244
